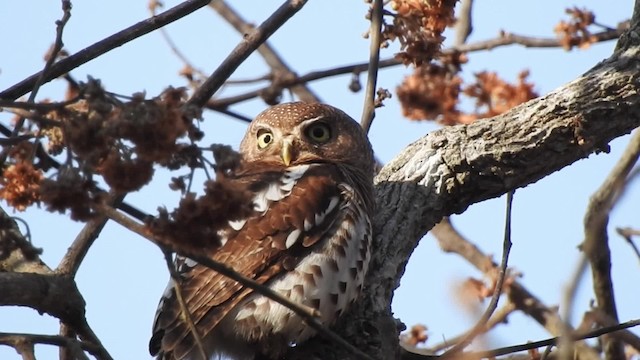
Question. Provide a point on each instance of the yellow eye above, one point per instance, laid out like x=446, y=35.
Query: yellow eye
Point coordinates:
x=319, y=132
x=265, y=137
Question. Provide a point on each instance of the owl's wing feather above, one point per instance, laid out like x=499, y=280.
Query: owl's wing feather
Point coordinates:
x=293, y=210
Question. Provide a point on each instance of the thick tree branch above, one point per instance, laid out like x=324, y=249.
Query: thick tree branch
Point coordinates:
x=57, y=296
x=450, y=169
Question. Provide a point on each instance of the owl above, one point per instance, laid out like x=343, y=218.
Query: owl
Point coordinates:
x=310, y=168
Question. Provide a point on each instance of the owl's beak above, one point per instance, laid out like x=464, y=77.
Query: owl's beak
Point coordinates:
x=286, y=152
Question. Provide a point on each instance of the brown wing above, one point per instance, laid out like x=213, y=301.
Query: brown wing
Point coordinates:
x=293, y=210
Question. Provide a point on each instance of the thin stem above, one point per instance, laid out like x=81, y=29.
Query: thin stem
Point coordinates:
x=497, y=291
x=103, y=46
x=369, y=107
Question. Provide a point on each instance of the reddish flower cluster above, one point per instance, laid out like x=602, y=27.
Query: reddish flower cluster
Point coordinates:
x=433, y=92
x=418, y=25
x=575, y=32
x=195, y=222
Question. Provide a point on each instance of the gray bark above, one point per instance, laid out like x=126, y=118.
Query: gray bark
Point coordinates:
x=448, y=170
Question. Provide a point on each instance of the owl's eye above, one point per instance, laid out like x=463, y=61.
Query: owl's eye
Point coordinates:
x=265, y=137
x=319, y=132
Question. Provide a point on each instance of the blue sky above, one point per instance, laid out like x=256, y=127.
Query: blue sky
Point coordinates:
x=124, y=275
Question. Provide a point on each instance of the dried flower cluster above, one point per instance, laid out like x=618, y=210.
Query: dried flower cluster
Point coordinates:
x=434, y=90
x=20, y=185
x=495, y=96
x=197, y=219
x=431, y=93
x=121, y=141
x=418, y=25
x=416, y=335
x=575, y=32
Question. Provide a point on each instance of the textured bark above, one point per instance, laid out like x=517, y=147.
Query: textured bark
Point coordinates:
x=448, y=170
x=55, y=295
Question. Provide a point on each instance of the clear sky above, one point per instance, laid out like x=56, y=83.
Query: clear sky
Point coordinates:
x=124, y=275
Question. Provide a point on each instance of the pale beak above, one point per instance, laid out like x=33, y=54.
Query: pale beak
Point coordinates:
x=286, y=152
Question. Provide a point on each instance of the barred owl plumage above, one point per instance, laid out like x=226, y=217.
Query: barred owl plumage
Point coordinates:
x=309, y=238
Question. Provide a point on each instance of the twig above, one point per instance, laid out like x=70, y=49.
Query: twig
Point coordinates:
x=44, y=107
x=596, y=248
x=248, y=45
x=279, y=69
x=627, y=233
x=78, y=250
x=172, y=45
x=551, y=341
x=464, y=22
x=490, y=354
x=308, y=315
x=497, y=291
x=53, y=54
x=499, y=317
x=369, y=108
x=57, y=46
x=500, y=41
x=105, y=45
x=604, y=320
x=183, y=306
x=76, y=347
x=452, y=241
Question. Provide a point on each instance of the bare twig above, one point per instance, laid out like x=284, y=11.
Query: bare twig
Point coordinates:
x=627, y=233
x=451, y=241
x=270, y=56
x=78, y=250
x=53, y=54
x=500, y=41
x=596, y=248
x=551, y=341
x=172, y=45
x=248, y=45
x=103, y=46
x=307, y=314
x=76, y=347
x=499, y=317
x=464, y=22
x=369, y=108
x=183, y=306
x=490, y=354
x=605, y=320
x=497, y=291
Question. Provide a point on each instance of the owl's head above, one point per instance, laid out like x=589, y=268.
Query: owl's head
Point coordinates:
x=301, y=133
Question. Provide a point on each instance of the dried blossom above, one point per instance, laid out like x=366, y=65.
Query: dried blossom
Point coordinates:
x=575, y=32
x=418, y=25
x=20, y=185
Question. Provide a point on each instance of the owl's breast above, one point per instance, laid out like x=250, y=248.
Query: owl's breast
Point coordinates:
x=327, y=279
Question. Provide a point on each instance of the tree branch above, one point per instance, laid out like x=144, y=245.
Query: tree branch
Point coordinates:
x=505, y=39
x=279, y=69
x=103, y=46
x=439, y=174
x=248, y=45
